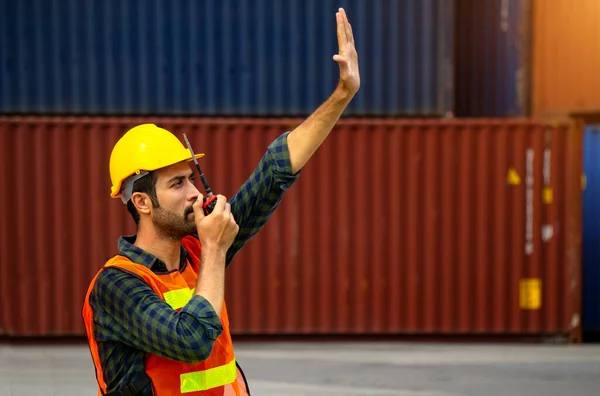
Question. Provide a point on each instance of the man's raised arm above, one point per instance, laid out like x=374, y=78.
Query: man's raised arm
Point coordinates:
x=308, y=136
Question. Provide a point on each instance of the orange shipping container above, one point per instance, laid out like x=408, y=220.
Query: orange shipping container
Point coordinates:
x=566, y=57
x=394, y=227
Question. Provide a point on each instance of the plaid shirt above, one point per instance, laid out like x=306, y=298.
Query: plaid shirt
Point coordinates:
x=129, y=317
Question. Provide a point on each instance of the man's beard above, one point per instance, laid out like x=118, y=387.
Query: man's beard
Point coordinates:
x=170, y=225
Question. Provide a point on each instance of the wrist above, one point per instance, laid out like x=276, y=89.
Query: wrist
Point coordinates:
x=213, y=252
x=343, y=93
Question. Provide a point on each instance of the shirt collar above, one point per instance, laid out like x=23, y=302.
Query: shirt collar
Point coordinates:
x=140, y=256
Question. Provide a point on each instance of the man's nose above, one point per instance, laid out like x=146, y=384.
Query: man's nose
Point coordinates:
x=193, y=195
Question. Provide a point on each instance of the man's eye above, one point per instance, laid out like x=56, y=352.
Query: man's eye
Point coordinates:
x=177, y=183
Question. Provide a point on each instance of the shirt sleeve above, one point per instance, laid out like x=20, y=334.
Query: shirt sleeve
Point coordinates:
x=259, y=196
x=127, y=310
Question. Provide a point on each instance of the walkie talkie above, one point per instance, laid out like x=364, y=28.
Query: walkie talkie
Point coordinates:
x=210, y=200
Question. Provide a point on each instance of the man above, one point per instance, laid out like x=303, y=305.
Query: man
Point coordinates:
x=155, y=314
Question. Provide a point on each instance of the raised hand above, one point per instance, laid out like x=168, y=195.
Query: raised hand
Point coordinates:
x=347, y=58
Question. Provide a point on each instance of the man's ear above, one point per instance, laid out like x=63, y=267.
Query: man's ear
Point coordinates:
x=142, y=202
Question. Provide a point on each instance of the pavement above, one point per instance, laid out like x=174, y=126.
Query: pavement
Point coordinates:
x=338, y=368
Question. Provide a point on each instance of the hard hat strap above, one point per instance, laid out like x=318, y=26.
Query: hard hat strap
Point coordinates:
x=127, y=190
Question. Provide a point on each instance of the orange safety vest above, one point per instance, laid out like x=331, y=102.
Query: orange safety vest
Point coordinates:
x=217, y=375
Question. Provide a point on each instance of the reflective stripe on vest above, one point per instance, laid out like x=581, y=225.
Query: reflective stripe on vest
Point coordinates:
x=179, y=298
x=207, y=379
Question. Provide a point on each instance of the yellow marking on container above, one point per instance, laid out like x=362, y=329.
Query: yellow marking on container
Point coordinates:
x=547, y=195
x=530, y=293
x=513, y=177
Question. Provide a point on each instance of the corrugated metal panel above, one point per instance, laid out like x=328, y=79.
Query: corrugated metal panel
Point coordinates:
x=492, y=58
x=395, y=227
x=266, y=57
x=566, y=57
x=591, y=230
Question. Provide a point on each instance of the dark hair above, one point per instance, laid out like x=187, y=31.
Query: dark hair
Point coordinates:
x=146, y=184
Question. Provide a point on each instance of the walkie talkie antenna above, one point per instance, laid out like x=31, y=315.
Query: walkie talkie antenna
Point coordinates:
x=202, y=177
x=210, y=200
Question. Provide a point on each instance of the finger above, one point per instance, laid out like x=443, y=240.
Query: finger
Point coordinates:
x=348, y=28
x=197, y=206
x=227, y=212
x=342, y=11
x=341, y=31
x=220, y=205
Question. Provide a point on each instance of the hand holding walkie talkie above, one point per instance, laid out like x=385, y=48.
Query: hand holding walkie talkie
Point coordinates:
x=210, y=200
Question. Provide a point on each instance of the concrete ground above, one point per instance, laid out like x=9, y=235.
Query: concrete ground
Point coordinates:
x=381, y=369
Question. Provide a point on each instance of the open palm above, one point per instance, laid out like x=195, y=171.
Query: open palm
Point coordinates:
x=347, y=58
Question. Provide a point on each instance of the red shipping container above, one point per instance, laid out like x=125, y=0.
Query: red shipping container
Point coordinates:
x=421, y=227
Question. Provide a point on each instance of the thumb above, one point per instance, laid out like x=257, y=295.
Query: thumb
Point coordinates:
x=342, y=63
x=340, y=59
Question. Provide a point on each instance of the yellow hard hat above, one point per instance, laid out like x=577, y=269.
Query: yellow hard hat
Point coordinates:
x=145, y=147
